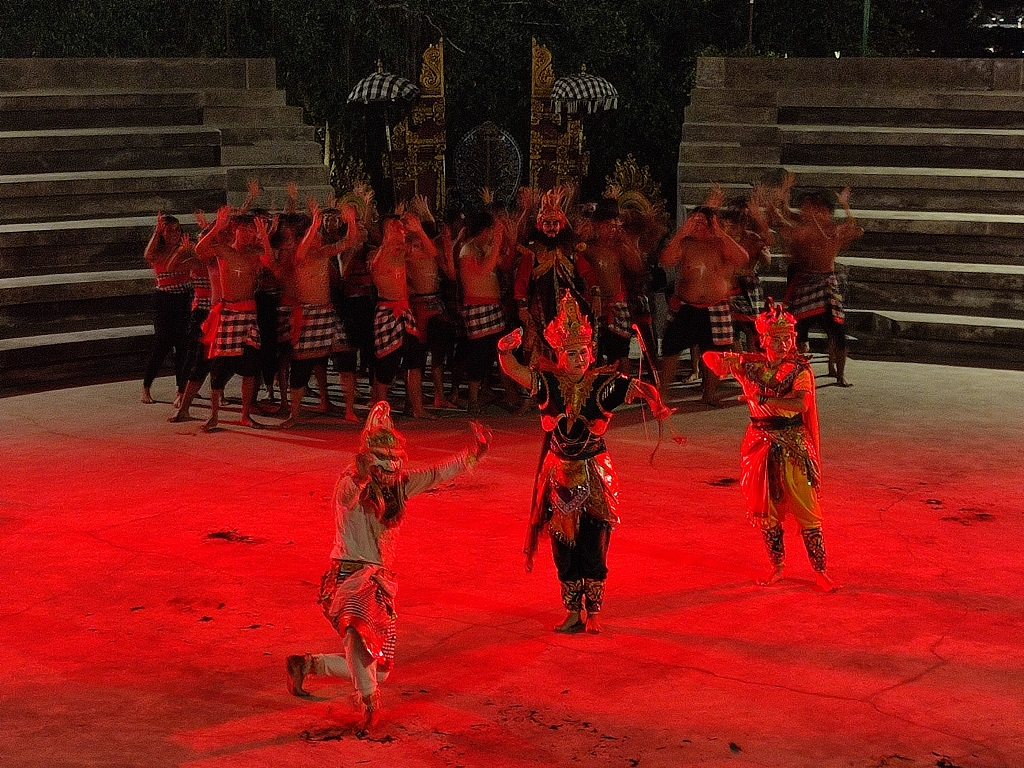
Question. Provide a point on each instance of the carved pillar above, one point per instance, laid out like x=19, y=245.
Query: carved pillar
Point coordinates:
x=415, y=160
x=556, y=139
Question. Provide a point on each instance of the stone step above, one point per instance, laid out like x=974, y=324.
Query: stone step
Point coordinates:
x=76, y=246
x=273, y=153
x=91, y=109
x=258, y=116
x=729, y=113
x=250, y=134
x=123, y=148
x=271, y=176
x=964, y=289
x=98, y=194
x=243, y=97
x=35, y=363
x=861, y=73
x=932, y=337
x=139, y=74
x=742, y=133
x=898, y=116
x=701, y=152
x=275, y=198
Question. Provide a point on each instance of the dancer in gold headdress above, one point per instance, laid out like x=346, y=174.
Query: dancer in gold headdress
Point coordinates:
x=780, y=465
x=576, y=492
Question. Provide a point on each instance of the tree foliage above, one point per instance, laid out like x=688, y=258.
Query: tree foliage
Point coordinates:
x=648, y=50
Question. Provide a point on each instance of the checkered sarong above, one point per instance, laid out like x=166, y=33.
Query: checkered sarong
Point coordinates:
x=483, y=319
x=619, y=319
x=721, y=323
x=749, y=302
x=174, y=282
x=814, y=293
x=320, y=333
x=363, y=600
x=229, y=332
x=389, y=329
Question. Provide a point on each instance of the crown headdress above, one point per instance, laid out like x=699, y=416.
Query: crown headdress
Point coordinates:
x=551, y=207
x=570, y=326
x=379, y=435
x=775, y=321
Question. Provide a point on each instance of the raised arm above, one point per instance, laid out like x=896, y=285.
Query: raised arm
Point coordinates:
x=422, y=480
x=209, y=245
x=519, y=373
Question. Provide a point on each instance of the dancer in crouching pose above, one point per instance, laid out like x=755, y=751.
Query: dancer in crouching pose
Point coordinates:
x=357, y=593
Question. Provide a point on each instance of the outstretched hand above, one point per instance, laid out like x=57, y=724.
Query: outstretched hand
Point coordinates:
x=511, y=341
x=483, y=439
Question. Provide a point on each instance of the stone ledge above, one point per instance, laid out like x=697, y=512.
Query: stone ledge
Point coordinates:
x=144, y=74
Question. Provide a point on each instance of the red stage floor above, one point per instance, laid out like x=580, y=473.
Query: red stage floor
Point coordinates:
x=155, y=578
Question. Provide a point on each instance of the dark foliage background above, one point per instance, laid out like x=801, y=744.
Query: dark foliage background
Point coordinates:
x=647, y=49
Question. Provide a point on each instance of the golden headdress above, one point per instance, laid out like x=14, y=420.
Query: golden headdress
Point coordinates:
x=379, y=436
x=551, y=206
x=570, y=326
x=775, y=321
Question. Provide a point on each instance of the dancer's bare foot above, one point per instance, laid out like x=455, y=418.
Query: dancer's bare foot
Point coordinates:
x=371, y=713
x=693, y=378
x=249, y=421
x=442, y=402
x=179, y=417
x=772, y=577
x=298, y=667
x=714, y=402
x=147, y=398
x=210, y=425
x=824, y=583
x=842, y=382
x=288, y=423
x=572, y=625
x=424, y=414
x=350, y=416
x=593, y=625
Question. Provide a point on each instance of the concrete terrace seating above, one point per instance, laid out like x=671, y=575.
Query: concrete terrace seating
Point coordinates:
x=90, y=149
x=934, y=152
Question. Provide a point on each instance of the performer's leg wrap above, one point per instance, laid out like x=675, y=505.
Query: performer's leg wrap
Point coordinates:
x=774, y=544
x=593, y=590
x=815, y=548
x=361, y=665
x=572, y=595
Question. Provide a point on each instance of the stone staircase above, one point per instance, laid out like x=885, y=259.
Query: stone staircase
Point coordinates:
x=90, y=150
x=934, y=152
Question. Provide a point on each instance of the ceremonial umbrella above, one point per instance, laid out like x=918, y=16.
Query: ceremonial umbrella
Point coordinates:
x=583, y=91
x=383, y=87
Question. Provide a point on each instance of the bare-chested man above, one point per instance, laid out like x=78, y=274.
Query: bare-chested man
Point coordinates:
x=316, y=330
x=396, y=337
x=424, y=268
x=612, y=255
x=482, y=309
x=743, y=220
x=232, y=336
x=814, y=239
x=707, y=260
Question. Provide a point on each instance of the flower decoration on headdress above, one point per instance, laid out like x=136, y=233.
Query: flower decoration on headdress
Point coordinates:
x=570, y=326
x=380, y=439
x=775, y=321
x=551, y=207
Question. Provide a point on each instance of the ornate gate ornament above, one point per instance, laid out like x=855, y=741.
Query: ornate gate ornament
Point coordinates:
x=556, y=138
x=415, y=161
x=489, y=157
